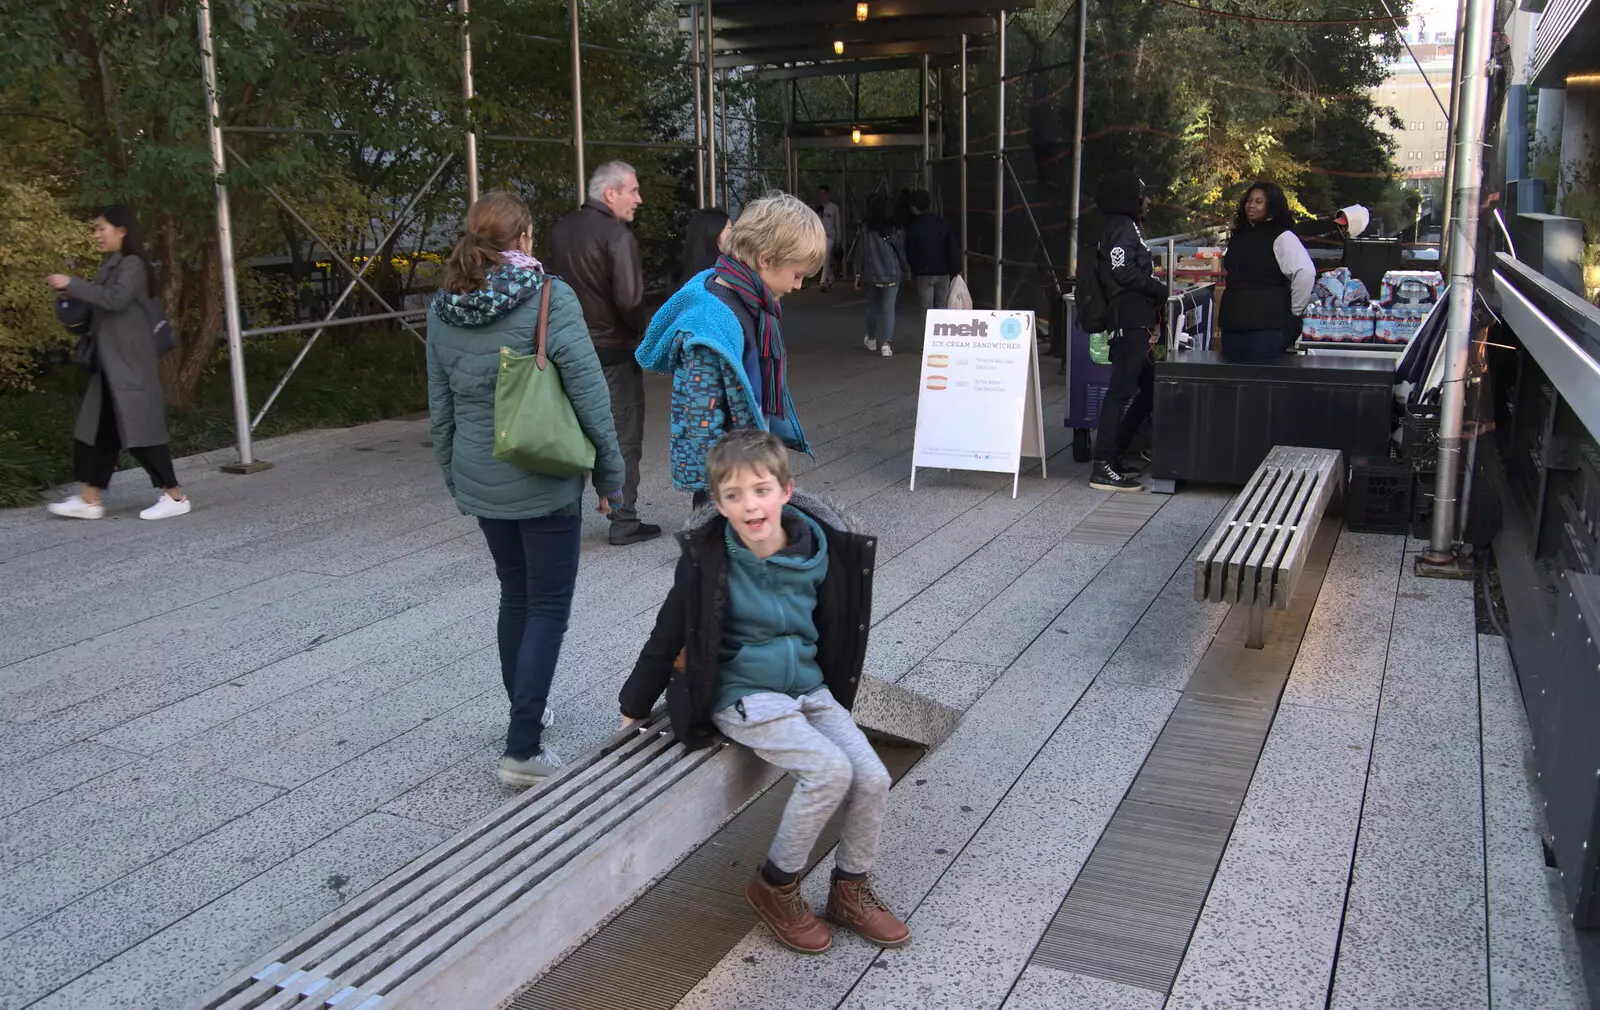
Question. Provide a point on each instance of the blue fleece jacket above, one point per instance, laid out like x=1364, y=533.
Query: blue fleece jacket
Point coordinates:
x=769, y=635
x=698, y=340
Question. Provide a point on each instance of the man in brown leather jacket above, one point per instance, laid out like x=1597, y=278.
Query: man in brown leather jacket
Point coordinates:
x=593, y=249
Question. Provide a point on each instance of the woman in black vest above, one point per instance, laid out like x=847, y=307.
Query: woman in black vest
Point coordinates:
x=1270, y=277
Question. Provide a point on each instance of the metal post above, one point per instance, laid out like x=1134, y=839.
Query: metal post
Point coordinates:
x=466, y=103
x=722, y=116
x=927, y=152
x=1075, y=198
x=964, y=214
x=1000, y=163
x=1452, y=120
x=1467, y=137
x=577, y=101
x=711, y=106
x=230, y=284
x=789, y=167
x=699, y=111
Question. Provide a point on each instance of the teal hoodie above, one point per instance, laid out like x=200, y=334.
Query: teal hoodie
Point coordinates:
x=769, y=637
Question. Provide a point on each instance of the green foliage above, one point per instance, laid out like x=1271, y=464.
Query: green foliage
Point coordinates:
x=345, y=380
x=37, y=238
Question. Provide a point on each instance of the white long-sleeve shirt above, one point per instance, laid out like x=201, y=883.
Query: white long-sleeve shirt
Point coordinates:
x=1296, y=265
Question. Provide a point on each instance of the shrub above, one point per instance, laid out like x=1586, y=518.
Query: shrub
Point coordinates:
x=38, y=237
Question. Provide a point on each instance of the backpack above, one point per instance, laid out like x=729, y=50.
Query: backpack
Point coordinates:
x=1093, y=307
x=160, y=327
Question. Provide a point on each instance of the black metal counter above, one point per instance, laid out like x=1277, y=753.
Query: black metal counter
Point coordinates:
x=1216, y=420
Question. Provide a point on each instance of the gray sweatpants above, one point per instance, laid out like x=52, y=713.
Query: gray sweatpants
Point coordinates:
x=815, y=739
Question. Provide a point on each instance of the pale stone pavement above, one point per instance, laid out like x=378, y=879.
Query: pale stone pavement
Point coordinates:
x=217, y=728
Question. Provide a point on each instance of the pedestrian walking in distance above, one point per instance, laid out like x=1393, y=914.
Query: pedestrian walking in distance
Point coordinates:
x=123, y=407
x=880, y=267
x=594, y=250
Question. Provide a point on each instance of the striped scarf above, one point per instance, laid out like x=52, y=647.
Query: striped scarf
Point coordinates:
x=759, y=299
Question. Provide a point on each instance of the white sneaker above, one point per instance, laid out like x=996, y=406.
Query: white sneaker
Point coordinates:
x=872, y=345
x=76, y=508
x=166, y=508
x=549, y=717
x=887, y=351
x=529, y=771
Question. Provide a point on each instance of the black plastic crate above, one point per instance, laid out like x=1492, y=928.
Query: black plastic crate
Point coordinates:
x=1381, y=492
x=1419, y=436
x=1422, y=508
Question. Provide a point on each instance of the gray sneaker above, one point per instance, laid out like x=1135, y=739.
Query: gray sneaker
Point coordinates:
x=529, y=771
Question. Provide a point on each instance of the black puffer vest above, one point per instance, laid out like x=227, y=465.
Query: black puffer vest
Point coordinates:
x=1257, y=292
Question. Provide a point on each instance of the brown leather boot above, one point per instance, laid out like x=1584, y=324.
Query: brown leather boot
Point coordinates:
x=854, y=905
x=786, y=913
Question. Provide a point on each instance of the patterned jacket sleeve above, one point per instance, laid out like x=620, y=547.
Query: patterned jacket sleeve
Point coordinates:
x=700, y=414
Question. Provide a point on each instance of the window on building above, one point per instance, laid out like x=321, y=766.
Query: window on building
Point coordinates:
x=1439, y=125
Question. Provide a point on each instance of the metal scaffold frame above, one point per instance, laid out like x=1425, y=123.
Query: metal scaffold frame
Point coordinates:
x=221, y=151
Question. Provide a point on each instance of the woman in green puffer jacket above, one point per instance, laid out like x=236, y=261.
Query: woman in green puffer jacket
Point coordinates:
x=533, y=522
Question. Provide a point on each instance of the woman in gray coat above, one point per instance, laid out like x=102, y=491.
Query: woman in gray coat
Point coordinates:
x=123, y=407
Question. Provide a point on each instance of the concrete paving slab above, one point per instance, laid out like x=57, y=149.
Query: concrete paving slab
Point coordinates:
x=1533, y=956
x=1342, y=657
x=1414, y=923
x=1042, y=988
x=1270, y=928
x=179, y=964
x=38, y=780
x=951, y=683
x=976, y=929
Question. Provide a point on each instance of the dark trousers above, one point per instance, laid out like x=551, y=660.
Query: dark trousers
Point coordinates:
x=94, y=464
x=1131, y=395
x=537, y=562
x=626, y=382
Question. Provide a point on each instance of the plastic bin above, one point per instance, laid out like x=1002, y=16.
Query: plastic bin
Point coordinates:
x=1381, y=496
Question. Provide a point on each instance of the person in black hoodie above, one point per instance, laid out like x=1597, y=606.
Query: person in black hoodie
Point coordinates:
x=1127, y=273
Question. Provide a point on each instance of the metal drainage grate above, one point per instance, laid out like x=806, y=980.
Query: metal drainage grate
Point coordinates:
x=1115, y=520
x=644, y=959
x=1130, y=913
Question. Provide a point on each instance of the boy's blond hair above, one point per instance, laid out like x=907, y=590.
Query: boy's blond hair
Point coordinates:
x=747, y=449
x=781, y=228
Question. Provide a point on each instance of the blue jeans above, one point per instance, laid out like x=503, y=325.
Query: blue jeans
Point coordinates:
x=880, y=311
x=537, y=562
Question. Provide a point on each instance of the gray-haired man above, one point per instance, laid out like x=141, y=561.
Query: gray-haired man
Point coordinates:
x=593, y=249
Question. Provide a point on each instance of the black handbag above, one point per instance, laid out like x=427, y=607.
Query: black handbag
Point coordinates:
x=78, y=318
x=85, y=354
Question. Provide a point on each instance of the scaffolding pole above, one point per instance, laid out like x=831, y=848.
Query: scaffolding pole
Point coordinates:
x=466, y=102
x=711, y=105
x=577, y=98
x=1000, y=164
x=927, y=151
x=964, y=214
x=722, y=120
x=699, y=112
x=247, y=462
x=1075, y=198
x=1467, y=137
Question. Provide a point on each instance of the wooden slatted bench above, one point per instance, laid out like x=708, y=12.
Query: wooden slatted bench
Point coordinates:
x=1257, y=553
x=466, y=924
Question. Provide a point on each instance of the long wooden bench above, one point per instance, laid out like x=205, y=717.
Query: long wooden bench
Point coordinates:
x=468, y=923
x=1257, y=553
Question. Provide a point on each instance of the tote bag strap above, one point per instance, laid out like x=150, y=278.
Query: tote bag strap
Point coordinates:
x=542, y=328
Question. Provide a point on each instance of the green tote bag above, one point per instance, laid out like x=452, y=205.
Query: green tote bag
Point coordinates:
x=535, y=426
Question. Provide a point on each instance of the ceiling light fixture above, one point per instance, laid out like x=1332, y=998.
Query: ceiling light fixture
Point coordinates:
x=838, y=49
x=855, y=135
x=861, y=12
